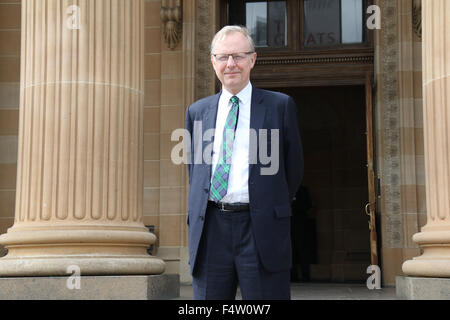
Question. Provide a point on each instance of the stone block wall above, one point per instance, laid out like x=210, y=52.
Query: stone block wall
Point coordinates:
x=9, y=108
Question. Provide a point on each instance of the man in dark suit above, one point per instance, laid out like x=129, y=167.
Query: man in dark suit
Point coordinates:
x=239, y=202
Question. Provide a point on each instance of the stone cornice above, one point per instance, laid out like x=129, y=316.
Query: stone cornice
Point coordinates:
x=314, y=60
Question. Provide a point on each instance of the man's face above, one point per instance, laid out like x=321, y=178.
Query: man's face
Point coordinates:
x=234, y=75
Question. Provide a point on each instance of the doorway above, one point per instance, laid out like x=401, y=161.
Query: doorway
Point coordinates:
x=331, y=239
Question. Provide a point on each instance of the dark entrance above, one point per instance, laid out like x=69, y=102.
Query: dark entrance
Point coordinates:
x=330, y=228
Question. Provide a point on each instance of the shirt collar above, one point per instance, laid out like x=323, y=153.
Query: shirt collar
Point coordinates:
x=244, y=95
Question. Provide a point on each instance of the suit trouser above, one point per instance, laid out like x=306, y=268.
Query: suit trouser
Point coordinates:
x=227, y=257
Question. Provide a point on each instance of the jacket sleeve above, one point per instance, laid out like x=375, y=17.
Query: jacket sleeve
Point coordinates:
x=293, y=151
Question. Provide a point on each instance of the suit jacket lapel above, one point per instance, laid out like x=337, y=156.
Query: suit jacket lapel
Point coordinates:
x=209, y=122
x=257, y=114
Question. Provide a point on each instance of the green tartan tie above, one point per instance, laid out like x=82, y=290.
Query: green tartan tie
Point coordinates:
x=219, y=183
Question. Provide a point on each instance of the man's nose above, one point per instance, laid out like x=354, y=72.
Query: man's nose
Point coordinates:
x=230, y=62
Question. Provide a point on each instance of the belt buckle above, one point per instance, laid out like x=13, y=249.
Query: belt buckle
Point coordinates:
x=222, y=207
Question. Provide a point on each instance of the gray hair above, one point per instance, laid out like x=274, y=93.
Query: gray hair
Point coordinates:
x=231, y=29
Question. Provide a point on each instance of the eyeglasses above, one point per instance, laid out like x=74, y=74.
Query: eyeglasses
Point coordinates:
x=237, y=57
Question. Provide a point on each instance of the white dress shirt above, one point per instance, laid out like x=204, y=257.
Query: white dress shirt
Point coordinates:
x=238, y=179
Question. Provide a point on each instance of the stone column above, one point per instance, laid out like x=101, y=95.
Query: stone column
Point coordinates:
x=434, y=237
x=80, y=158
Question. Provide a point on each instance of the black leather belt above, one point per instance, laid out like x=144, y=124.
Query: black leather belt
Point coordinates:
x=230, y=207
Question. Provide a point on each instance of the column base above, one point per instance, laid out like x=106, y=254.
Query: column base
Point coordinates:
x=417, y=288
x=95, y=250
x=435, y=259
x=87, y=265
x=154, y=287
x=427, y=268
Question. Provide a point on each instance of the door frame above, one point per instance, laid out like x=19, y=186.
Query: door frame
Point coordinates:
x=370, y=209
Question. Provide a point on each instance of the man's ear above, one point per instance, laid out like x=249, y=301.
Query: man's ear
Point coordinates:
x=212, y=63
x=253, y=59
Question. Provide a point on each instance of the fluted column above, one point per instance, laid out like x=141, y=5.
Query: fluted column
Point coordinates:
x=80, y=159
x=434, y=237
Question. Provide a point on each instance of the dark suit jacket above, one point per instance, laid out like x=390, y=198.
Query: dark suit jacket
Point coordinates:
x=270, y=195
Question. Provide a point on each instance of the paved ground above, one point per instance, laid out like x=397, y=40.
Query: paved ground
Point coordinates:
x=322, y=291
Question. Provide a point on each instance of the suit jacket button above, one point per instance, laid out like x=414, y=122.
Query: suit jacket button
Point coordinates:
x=206, y=190
x=202, y=218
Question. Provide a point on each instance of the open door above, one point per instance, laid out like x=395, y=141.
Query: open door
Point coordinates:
x=370, y=207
